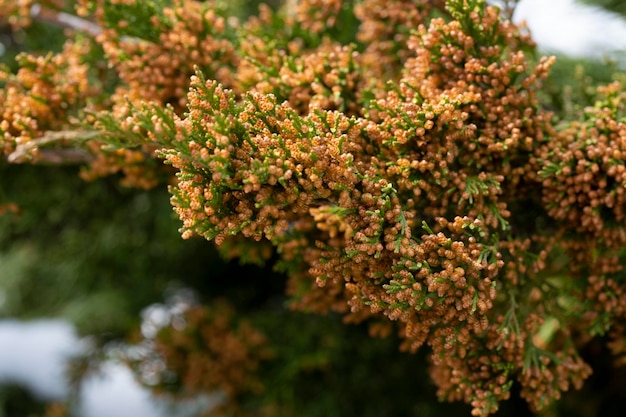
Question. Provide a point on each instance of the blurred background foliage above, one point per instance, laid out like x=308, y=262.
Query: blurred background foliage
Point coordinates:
x=617, y=6
x=97, y=254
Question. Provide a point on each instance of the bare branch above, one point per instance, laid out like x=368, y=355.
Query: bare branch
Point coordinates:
x=63, y=19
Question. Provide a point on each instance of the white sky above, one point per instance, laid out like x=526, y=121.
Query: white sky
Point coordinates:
x=572, y=28
x=33, y=353
x=116, y=393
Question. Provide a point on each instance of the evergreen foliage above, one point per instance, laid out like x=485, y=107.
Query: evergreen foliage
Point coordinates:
x=409, y=168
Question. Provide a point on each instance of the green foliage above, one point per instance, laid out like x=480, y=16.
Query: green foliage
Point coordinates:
x=41, y=37
x=400, y=164
x=327, y=371
x=616, y=6
x=16, y=401
x=571, y=85
x=76, y=250
x=143, y=20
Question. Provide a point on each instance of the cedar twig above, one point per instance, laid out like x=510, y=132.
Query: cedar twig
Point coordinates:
x=55, y=156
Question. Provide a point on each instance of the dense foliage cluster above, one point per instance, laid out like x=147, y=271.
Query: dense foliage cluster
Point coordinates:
x=394, y=159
